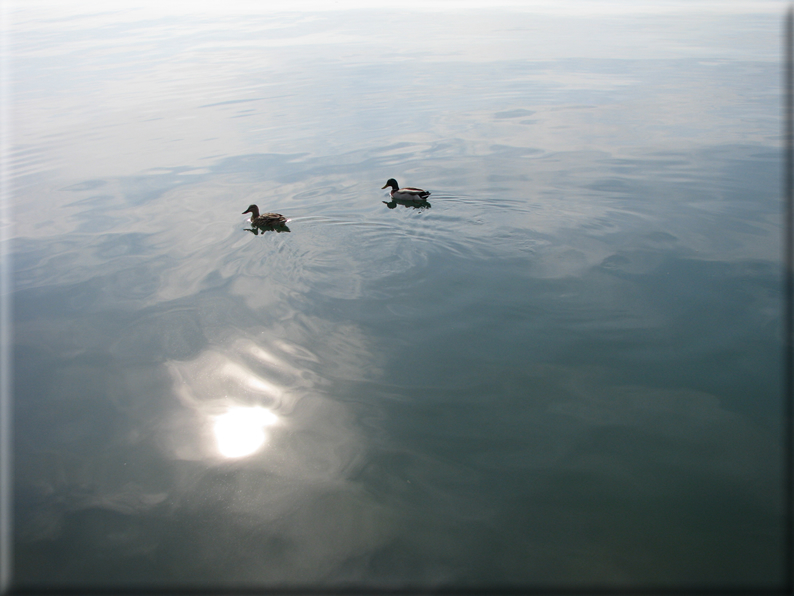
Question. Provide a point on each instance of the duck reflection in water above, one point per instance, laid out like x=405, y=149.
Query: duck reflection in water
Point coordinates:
x=256, y=230
x=421, y=204
x=266, y=221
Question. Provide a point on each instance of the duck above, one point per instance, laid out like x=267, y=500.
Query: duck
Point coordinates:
x=266, y=219
x=406, y=194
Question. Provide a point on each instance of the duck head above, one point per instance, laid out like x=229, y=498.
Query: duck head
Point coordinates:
x=253, y=210
x=393, y=183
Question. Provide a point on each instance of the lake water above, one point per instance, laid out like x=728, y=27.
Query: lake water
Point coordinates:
x=563, y=370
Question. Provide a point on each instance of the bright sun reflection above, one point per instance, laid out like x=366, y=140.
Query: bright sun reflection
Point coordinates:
x=241, y=430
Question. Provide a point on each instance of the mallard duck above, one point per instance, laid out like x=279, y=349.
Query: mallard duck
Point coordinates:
x=266, y=219
x=407, y=193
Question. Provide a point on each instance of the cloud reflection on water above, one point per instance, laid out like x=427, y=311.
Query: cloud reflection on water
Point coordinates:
x=267, y=398
x=229, y=404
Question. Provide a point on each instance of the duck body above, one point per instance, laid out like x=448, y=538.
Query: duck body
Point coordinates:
x=406, y=194
x=264, y=220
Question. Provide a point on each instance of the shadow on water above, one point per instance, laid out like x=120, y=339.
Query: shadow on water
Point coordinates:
x=256, y=230
x=423, y=204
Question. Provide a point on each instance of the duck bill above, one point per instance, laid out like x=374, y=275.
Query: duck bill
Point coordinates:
x=246, y=211
x=384, y=186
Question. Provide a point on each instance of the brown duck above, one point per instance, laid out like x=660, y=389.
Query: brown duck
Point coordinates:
x=265, y=220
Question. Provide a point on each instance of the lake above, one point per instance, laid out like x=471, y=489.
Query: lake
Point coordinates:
x=562, y=370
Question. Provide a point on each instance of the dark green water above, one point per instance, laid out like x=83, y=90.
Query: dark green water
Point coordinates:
x=565, y=370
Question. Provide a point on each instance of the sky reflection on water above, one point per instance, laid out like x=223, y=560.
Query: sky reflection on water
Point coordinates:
x=240, y=431
x=564, y=373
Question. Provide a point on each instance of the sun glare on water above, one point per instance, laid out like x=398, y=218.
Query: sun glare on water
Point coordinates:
x=241, y=430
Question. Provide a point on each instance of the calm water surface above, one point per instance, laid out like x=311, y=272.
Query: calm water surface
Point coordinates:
x=563, y=370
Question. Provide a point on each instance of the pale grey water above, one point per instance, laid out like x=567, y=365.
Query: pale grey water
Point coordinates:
x=563, y=372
